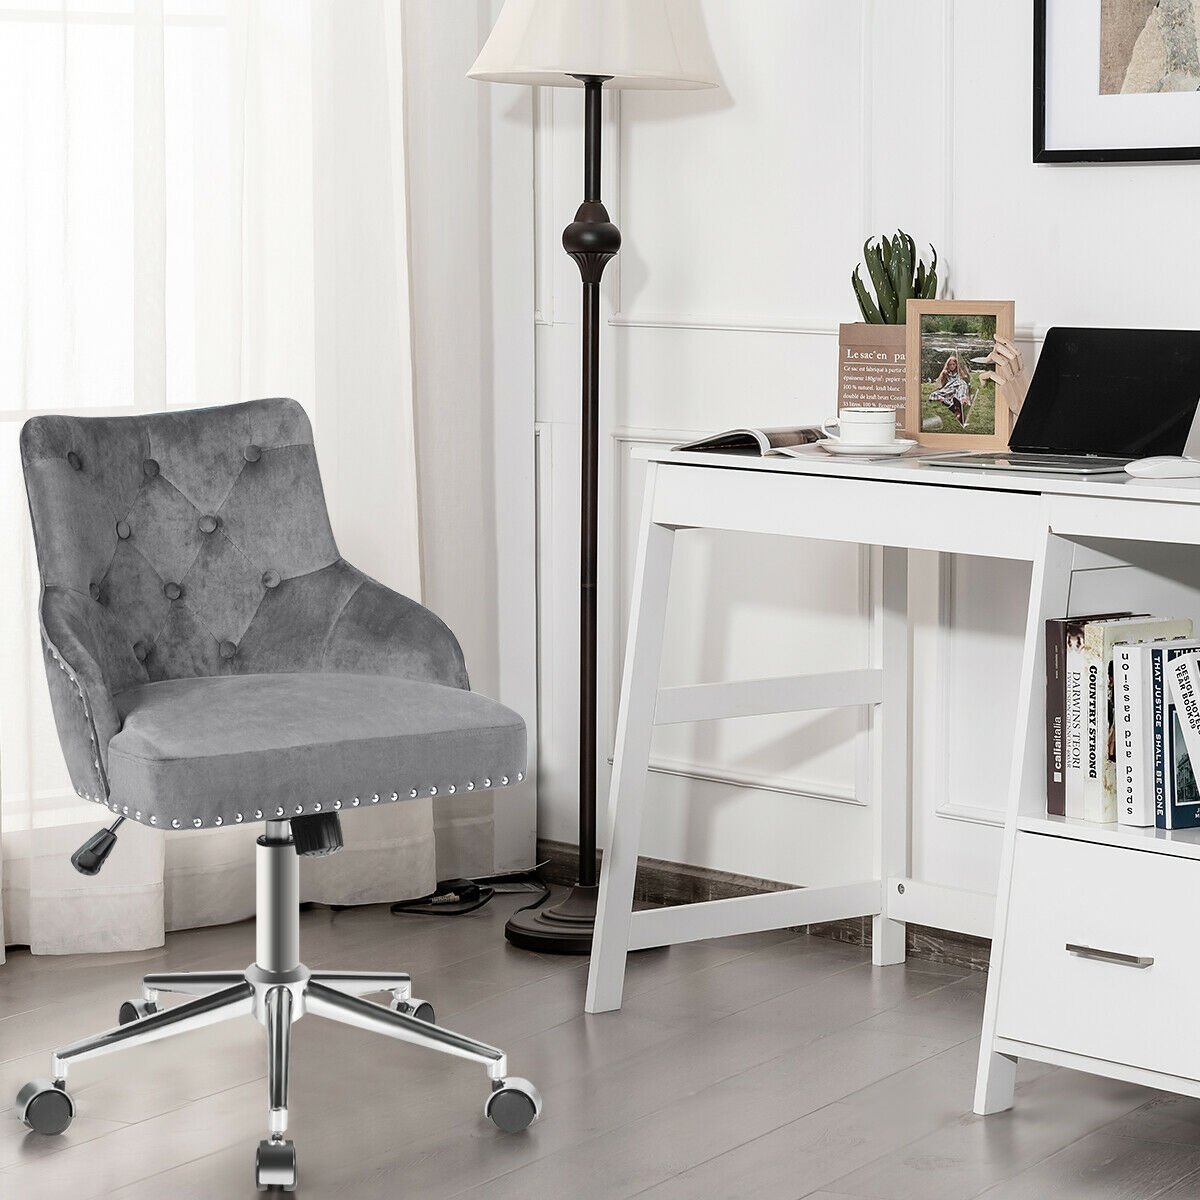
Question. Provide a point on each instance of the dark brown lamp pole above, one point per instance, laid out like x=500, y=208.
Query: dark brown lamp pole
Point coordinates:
x=591, y=240
x=588, y=43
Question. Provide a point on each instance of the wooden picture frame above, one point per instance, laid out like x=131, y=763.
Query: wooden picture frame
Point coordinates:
x=946, y=402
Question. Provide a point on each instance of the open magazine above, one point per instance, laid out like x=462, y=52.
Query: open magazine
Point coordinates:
x=760, y=442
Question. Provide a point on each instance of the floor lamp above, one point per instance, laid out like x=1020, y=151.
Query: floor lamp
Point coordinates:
x=590, y=44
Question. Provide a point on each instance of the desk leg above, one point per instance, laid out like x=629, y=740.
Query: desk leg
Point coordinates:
x=890, y=741
x=635, y=725
x=1049, y=596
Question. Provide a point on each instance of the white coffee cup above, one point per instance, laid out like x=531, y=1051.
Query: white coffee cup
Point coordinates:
x=862, y=426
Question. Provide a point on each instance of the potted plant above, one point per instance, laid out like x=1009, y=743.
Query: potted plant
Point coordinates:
x=871, y=370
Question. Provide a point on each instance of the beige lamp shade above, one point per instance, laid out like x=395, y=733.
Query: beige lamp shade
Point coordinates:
x=637, y=43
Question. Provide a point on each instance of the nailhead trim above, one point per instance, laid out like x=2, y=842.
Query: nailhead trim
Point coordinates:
x=317, y=806
x=102, y=785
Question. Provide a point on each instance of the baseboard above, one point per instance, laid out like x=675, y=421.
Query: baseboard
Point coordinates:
x=663, y=882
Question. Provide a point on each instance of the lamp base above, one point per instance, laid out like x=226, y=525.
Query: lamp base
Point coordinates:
x=564, y=928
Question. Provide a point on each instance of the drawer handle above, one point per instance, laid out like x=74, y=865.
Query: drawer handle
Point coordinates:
x=1140, y=962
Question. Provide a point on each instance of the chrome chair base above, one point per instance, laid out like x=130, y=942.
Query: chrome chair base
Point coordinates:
x=277, y=990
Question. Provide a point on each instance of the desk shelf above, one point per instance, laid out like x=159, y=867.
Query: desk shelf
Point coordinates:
x=1180, y=843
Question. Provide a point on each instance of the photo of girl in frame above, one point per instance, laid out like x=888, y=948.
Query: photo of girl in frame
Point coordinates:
x=955, y=399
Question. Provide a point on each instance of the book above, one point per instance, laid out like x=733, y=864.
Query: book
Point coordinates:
x=1135, y=772
x=760, y=442
x=1058, y=752
x=1165, y=743
x=1097, y=799
x=1183, y=810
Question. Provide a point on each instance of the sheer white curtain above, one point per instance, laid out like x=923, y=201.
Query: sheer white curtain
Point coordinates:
x=201, y=201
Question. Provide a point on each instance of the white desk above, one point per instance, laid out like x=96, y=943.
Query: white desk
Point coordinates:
x=1057, y=523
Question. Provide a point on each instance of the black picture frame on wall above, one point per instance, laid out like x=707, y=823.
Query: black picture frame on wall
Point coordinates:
x=1043, y=154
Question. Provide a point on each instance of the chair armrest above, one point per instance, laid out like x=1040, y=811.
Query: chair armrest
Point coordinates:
x=84, y=711
x=381, y=632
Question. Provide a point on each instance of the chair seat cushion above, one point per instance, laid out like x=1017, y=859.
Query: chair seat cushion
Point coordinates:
x=221, y=750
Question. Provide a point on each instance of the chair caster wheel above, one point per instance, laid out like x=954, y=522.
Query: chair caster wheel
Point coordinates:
x=421, y=1009
x=45, y=1107
x=513, y=1105
x=135, y=1010
x=275, y=1166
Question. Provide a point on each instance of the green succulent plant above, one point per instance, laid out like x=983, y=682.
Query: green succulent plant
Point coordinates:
x=897, y=275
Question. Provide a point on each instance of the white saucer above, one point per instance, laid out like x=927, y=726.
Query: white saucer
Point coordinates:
x=899, y=446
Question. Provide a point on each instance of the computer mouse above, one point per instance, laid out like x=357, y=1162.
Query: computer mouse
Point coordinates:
x=1164, y=467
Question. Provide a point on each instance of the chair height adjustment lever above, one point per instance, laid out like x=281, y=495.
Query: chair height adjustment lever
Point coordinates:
x=317, y=834
x=93, y=854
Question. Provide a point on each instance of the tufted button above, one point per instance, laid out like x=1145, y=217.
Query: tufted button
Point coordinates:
x=228, y=649
x=75, y=461
x=208, y=524
x=172, y=591
x=149, y=468
x=94, y=591
x=270, y=578
x=141, y=651
x=252, y=453
x=123, y=530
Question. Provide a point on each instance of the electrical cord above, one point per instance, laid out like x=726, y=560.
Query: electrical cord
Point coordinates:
x=458, y=897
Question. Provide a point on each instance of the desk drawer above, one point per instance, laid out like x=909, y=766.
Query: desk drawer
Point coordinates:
x=1120, y=908
x=872, y=512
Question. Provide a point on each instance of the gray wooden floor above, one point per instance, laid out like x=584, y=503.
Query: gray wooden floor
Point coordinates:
x=770, y=1066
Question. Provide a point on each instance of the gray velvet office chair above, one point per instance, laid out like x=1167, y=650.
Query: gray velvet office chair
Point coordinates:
x=213, y=661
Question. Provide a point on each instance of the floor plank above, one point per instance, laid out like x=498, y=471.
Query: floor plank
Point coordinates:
x=1105, y=1166
x=775, y=1066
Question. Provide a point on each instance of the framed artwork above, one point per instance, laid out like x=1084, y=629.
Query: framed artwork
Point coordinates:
x=1116, y=80
x=949, y=403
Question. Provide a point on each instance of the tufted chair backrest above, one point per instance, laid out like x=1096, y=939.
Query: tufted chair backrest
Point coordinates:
x=169, y=535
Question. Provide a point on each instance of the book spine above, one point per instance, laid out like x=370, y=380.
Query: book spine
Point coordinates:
x=1096, y=806
x=1184, y=673
x=1056, y=705
x=1183, y=799
x=1184, y=679
x=1073, y=722
x=1135, y=800
x=1162, y=812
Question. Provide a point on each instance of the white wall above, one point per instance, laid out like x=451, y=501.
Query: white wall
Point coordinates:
x=743, y=212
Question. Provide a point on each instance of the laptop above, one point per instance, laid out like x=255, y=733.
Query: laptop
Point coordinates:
x=1098, y=399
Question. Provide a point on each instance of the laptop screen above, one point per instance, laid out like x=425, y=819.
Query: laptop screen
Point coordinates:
x=1121, y=392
